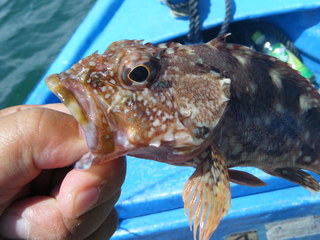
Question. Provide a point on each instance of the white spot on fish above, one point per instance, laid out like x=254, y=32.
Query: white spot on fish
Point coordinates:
x=169, y=104
x=170, y=51
x=230, y=47
x=241, y=59
x=278, y=108
x=151, y=132
x=200, y=60
x=162, y=45
x=133, y=58
x=139, y=98
x=103, y=89
x=154, y=100
x=237, y=148
x=306, y=135
x=306, y=102
x=276, y=80
x=185, y=112
x=156, y=123
x=253, y=87
x=307, y=159
x=155, y=143
x=168, y=136
x=248, y=52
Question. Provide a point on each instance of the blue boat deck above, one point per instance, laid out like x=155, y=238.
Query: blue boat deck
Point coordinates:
x=150, y=206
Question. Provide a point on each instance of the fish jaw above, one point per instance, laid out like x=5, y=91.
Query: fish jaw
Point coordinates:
x=86, y=109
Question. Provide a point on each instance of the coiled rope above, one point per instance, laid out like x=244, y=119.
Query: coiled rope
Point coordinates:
x=190, y=9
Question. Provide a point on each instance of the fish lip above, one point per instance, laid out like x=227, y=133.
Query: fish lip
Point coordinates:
x=72, y=96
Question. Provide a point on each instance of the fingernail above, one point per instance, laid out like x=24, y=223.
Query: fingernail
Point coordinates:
x=12, y=226
x=85, y=200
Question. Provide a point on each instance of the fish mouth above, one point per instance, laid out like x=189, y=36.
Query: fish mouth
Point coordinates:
x=84, y=108
x=54, y=84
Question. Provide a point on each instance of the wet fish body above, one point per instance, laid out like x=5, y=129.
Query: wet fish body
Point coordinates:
x=212, y=106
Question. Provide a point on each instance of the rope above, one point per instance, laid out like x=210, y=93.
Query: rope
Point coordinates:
x=191, y=10
x=283, y=38
x=178, y=9
x=227, y=18
x=194, y=35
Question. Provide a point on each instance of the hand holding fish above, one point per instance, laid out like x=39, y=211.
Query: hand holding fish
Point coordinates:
x=41, y=196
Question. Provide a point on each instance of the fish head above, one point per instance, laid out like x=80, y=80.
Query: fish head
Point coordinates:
x=157, y=102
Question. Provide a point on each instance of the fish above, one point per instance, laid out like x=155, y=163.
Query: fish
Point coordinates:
x=211, y=106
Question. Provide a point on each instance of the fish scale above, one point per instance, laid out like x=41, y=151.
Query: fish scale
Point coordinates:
x=211, y=106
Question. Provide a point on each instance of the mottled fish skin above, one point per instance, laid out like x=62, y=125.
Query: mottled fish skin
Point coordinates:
x=272, y=120
x=212, y=106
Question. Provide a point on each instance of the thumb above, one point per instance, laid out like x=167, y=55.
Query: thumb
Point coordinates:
x=32, y=140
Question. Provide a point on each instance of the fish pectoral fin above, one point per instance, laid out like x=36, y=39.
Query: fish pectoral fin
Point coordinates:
x=297, y=176
x=206, y=196
x=244, y=178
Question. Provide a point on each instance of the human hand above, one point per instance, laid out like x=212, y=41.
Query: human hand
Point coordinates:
x=41, y=196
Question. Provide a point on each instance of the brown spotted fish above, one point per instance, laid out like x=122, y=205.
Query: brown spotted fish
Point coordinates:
x=212, y=106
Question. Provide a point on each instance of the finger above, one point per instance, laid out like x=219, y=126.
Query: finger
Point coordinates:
x=107, y=228
x=32, y=140
x=54, y=106
x=40, y=218
x=92, y=220
x=82, y=190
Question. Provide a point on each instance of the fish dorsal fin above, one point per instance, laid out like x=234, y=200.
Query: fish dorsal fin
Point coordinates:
x=221, y=39
x=206, y=195
x=297, y=176
x=244, y=178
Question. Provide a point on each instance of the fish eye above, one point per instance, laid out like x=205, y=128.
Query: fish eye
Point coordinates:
x=139, y=74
